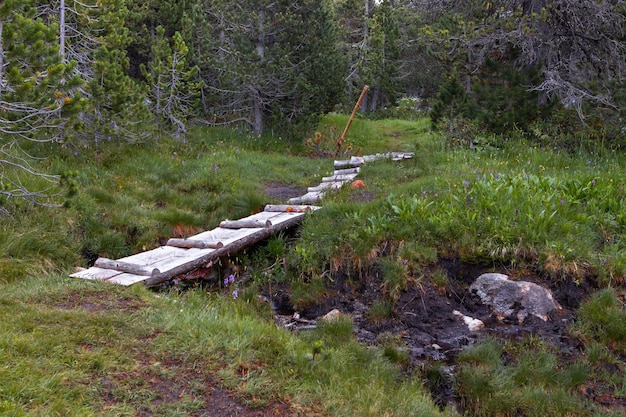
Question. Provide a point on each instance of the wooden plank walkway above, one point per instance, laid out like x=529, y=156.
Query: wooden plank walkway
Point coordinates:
x=179, y=256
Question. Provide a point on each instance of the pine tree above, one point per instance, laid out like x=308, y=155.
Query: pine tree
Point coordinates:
x=271, y=62
x=380, y=64
x=173, y=86
x=116, y=101
x=39, y=96
x=450, y=104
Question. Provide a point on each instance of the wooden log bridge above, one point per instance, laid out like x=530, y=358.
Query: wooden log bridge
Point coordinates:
x=180, y=256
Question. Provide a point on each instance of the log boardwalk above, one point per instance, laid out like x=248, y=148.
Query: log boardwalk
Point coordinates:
x=180, y=256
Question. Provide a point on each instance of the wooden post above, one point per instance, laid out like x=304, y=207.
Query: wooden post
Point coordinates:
x=356, y=108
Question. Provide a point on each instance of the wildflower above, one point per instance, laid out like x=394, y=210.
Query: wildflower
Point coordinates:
x=562, y=202
x=235, y=294
x=215, y=167
x=225, y=281
x=593, y=182
x=231, y=278
x=466, y=183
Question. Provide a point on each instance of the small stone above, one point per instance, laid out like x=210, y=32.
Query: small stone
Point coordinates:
x=332, y=315
x=472, y=324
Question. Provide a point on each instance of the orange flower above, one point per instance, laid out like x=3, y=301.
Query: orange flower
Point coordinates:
x=67, y=100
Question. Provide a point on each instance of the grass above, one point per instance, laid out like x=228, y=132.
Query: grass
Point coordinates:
x=83, y=348
x=80, y=348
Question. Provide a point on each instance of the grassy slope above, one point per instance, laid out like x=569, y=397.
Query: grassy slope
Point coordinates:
x=76, y=348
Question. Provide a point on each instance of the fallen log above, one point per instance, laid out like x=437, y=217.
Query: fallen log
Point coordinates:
x=191, y=243
x=355, y=170
x=245, y=224
x=335, y=178
x=286, y=208
x=129, y=268
x=308, y=198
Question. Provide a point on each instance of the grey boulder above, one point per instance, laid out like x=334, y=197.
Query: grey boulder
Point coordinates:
x=513, y=299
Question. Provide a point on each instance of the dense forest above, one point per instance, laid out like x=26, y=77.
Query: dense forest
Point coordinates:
x=78, y=72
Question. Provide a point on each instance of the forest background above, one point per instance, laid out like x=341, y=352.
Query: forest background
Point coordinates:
x=142, y=120
x=77, y=73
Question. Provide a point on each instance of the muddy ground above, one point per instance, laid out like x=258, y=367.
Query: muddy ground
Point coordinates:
x=423, y=316
x=423, y=319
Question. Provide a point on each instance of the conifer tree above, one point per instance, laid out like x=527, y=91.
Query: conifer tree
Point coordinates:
x=39, y=96
x=173, y=85
x=271, y=62
x=116, y=101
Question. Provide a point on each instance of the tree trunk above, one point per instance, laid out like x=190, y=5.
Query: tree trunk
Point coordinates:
x=62, y=31
x=257, y=99
x=374, y=101
x=1, y=59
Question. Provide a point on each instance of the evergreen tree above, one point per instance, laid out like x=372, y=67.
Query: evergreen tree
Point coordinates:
x=451, y=103
x=173, y=86
x=380, y=64
x=39, y=96
x=116, y=101
x=271, y=62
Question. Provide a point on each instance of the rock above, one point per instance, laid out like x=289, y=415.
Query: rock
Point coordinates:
x=331, y=315
x=472, y=324
x=517, y=299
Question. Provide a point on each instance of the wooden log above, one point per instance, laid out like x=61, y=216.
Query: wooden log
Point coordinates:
x=192, y=243
x=341, y=164
x=331, y=185
x=221, y=252
x=286, y=208
x=308, y=198
x=355, y=170
x=106, y=263
x=245, y=224
x=334, y=178
x=353, y=162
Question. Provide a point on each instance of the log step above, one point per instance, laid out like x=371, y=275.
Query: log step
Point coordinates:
x=192, y=243
x=245, y=224
x=106, y=263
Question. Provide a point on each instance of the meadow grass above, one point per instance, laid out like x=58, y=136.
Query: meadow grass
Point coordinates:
x=79, y=348
x=76, y=348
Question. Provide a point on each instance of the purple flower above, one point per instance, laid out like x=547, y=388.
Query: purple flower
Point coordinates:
x=215, y=167
x=466, y=183
x=231, y=278
x=225, y=281
x=235, y=294
x=593, y=182
x=562, y=202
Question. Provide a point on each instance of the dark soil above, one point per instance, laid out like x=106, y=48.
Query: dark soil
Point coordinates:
x=423, y=320
x=283, y=192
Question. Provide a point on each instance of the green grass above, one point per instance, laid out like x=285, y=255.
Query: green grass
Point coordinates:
x=80, y=348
